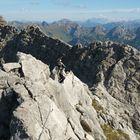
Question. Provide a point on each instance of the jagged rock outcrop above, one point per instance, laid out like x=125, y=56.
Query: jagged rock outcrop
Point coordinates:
x=37, y=107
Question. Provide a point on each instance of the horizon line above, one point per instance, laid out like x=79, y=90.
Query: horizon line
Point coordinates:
x=108, y=20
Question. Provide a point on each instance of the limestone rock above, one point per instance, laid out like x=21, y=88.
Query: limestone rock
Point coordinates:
x=44, y=109
x=11, y=66
x=33, y=70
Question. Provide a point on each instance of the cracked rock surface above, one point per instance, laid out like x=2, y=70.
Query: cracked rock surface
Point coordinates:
x=39, y=108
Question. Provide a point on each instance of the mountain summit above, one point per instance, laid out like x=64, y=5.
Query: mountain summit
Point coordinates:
x=98, y=100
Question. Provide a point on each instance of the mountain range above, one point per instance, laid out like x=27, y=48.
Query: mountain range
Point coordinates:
x=99, y=98
x=96, y=30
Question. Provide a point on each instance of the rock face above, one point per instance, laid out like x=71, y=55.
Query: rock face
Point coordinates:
x=109, y=58
x=117, y=67
x=34, y=106
x=37, y=107
x=112, y=72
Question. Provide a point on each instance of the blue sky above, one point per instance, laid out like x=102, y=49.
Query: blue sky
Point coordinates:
x=50, y=10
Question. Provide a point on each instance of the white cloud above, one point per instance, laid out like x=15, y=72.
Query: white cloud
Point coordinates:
x=118, y=10
x=81, y=6
x=127, y=10
x=34, y=2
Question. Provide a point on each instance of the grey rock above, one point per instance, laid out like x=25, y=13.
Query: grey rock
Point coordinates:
x=136, y=121
x=86, y=124
x=11, y=66
x=43, y=108
x=3, y=79
x=33, y=70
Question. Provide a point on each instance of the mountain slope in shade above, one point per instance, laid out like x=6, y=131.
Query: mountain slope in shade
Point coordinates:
x=121, y=33
x=136, y=41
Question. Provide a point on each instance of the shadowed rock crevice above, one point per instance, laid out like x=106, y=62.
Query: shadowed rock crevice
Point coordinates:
x=8, y=103
x=72, y=126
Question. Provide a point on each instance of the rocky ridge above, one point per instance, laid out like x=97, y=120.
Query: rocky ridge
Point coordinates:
x=38, y=107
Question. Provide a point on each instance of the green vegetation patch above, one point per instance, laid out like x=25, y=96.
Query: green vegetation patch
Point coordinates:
x=112, y=134
x=97, y=106
x=59, y=33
